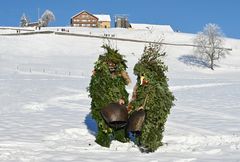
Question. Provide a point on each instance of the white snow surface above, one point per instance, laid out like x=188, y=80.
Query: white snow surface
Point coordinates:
x=163, y=28
x=44, y=105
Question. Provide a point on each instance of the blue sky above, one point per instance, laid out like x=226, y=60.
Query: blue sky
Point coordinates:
x=185, y=15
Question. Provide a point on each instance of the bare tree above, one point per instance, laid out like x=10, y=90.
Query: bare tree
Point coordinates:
x=209, y=44
x=24, y=21
x=47, y=17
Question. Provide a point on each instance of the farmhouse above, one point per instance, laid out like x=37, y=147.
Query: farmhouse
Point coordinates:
x=86, y=19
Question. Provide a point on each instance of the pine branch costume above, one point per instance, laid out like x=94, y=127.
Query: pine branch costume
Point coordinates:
x=152, y=92
x=108, y=86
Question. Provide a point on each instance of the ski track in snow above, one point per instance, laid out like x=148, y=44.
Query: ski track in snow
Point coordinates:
x=60, y=101
x=187, y=87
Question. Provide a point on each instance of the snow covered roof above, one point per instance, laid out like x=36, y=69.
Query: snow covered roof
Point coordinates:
x=165, y=28
x=103, y=17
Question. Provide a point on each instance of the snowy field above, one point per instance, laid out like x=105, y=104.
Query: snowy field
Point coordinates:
x=44, y=106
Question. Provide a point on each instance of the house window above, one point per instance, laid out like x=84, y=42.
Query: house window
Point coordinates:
x=76, y=25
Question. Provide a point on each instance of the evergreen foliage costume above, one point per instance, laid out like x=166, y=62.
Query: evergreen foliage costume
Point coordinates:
x=153, y=96
x=108, y=86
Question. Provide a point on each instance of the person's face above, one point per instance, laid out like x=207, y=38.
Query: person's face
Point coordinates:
x=112, y=66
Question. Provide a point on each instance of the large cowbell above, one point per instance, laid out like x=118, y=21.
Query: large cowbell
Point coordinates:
x=115, y=115
x=135, y=121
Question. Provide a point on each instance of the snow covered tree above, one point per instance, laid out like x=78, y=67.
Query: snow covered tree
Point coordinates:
x=24, y=21
x=153, y=96
x=209, y=44
x=47, y=17
x=108, y=86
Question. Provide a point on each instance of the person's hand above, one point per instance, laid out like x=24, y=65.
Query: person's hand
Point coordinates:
x=121, y=102
x=129, y=108
x=140, y=108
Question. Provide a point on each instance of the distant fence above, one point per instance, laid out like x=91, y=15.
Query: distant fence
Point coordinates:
x=51, y=71
x=133, y=40
x=110, y=38
x=13, y=28
x=28, y=33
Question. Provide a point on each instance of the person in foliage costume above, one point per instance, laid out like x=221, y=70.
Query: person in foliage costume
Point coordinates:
x=108, y=86
x=151, y=94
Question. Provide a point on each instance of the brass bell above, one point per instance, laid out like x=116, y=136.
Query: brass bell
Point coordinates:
x=135, y=121
x=115, y=115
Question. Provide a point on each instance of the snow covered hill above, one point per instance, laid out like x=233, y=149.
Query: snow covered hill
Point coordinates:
x=44, y=106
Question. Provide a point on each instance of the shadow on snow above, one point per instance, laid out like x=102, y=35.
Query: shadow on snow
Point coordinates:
x=91, y=124
x=192, y=60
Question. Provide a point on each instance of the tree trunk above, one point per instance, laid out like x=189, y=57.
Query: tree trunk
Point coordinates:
x=212, y=64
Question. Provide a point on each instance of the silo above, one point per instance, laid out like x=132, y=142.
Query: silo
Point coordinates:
x=121, y=21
